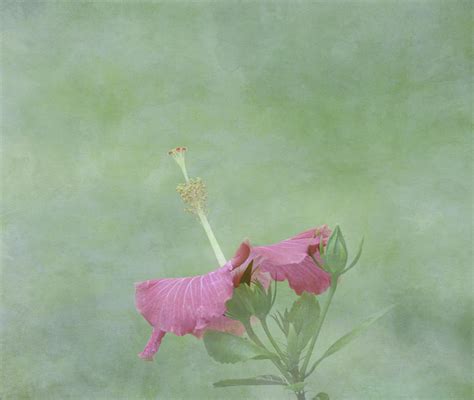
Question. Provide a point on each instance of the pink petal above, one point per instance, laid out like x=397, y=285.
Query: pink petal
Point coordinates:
x=188, y=305
x=304, y=276
x=241, y=254
x=185, y=305
x=153, y=345
x=224, y=324
x=240, y=263
x=289, y=260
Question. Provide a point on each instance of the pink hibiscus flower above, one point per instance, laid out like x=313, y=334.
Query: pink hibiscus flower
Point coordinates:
x=189, y=305
x=290, y=260
x=193, y=305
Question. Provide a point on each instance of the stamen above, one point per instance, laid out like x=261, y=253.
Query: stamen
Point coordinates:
x=194, y=195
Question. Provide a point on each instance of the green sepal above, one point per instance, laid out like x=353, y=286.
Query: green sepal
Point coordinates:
x=256, y=381
x=356, y=258
x=239, y=307
x=321, y=245
x=250, y=299
x=247, y=275
x=227, y=348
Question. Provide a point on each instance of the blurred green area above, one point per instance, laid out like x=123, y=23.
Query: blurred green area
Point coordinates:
x=295, y=114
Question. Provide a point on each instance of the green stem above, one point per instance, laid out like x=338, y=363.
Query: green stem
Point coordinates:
x=270, y=337
x=253, y=336
x=300, y=396
x=332, y=290
x=313, y=367
x=202, y=218
x=212, y=238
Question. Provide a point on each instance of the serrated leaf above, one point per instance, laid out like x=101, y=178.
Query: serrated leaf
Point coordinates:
x=304, y=315
x=261, y=299
x=256, y=381
x=321, y=396
x=227, y=348
x=349, y=337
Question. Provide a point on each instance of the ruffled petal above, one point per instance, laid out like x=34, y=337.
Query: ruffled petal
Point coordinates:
x=289, y=260
x=188, y=305
x=241, y=255
x=185, y=305
x=304, y=276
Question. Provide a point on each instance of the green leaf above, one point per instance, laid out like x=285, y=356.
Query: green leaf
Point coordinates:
x=277, y=320
x=249, y=299
x=256, y=381
x=296, y=387
x=227, y=348
x=292, y=348
x=304, y=315
x=282, y=321
x=239, y=307
x=262, y=300
x=348, y=337
x=321, y=396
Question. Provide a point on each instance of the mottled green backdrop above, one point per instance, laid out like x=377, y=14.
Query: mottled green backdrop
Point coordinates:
x=295, y=114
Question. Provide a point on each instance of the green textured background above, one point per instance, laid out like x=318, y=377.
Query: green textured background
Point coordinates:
x=295, y=114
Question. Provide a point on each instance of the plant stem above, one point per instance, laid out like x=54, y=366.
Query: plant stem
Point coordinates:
x=270, y=337
x=202, y=216
x=253, y=336
x=300, y=395
x=332, y=290
x=212, y=238
x=313, y=367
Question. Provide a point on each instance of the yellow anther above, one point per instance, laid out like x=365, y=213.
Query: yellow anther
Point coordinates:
x=194, y=195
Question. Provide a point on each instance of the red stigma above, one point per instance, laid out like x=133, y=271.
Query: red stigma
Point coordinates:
x=177, y=150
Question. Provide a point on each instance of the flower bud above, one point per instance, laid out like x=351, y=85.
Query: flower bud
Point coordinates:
x=335, y=256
